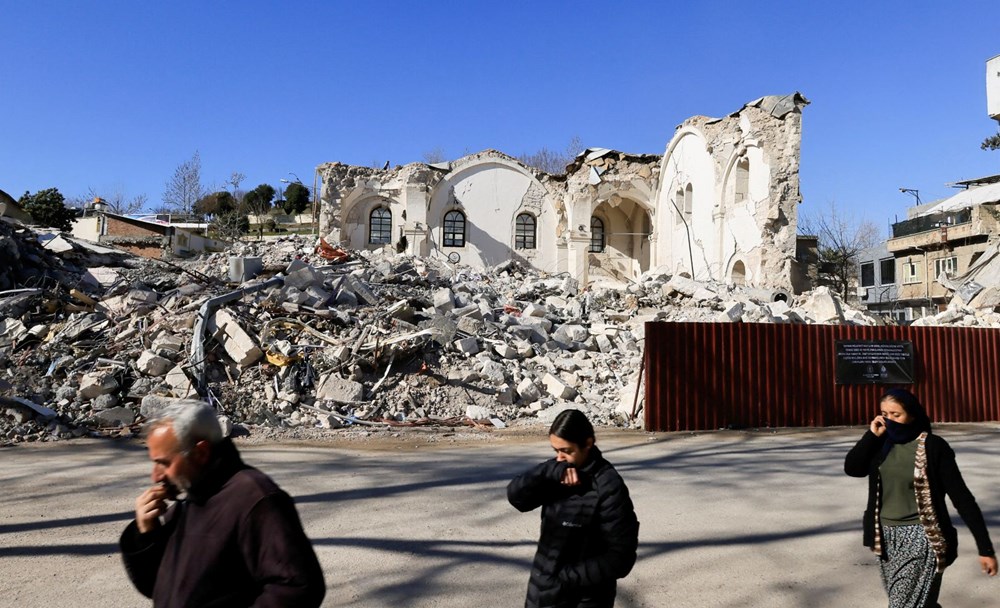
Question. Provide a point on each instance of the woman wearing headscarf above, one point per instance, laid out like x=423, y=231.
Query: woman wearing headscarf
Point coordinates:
x=589, y=529
x=910, y=470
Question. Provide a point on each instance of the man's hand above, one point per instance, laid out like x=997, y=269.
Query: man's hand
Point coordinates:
x=988, y=564
x=149, y=506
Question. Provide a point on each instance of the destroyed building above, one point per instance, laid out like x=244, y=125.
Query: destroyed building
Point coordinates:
x=151, y=236
x=720, y=205
x=941, y=241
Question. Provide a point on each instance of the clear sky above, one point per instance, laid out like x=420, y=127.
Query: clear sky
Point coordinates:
x=116, y=94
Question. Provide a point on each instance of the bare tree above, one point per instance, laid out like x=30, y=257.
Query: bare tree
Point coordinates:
x=551, y=161
x=435, y=155
x=117, y=201
x=235, y=179
x=842, y=237
x=184, y=189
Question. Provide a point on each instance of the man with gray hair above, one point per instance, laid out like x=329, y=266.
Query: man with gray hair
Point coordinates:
x=213, y=531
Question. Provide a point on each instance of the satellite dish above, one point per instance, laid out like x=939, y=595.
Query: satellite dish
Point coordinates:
x=454, y=258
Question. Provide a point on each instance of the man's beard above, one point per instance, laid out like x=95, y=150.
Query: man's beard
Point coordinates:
x=177, y=486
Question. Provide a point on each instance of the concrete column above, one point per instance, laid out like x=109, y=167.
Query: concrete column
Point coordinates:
x=416, y=198
x=578, y=245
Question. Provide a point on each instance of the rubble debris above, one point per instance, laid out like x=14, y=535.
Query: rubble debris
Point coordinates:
x=372, y=338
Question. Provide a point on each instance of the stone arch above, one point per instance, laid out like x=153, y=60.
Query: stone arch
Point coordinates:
x=628, y=226
x=738, y=273
x=354, y=226
x=688, y=238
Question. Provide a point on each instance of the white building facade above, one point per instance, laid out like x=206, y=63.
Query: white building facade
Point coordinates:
x=720, y=204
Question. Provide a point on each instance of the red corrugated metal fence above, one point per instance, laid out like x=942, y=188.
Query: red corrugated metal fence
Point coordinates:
x=703, y=376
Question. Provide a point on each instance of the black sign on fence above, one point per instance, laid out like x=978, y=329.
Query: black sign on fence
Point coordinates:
x=874, y=362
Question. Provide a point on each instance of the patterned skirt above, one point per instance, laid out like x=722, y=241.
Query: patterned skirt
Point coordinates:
x=909, y=572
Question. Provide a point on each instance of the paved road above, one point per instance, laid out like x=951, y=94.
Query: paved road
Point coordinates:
x=729, y=519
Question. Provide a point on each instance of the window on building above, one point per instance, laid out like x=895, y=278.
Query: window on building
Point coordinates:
x=596, y=235
x=868, y=274
x=949, y=265
x=742, y=181
x=688, y=201
x=454, y=229
x=887, y=271
x=679, y=202
x=911, y=272
x=524, y=231
x=380, y=226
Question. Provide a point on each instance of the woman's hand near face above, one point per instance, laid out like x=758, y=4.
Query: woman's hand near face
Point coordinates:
x=570, y=478
x=988, y=564
x=877, y=426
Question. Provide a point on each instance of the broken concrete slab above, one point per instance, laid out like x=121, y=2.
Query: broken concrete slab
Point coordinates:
x=822, y=306
x=332, y=387
x=239, y=345
x=557, y=388
x=118, y=416
x=444, y=300
x=97, y=383
x=179, y=383
x=466, y=346
x=303, y=277
x=732, y=313
x=152, y=364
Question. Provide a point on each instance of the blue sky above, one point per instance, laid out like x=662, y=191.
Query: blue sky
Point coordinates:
x=116, y=94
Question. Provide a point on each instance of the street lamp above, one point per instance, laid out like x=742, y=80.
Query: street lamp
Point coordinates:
x=312, y=190
x=912, y=192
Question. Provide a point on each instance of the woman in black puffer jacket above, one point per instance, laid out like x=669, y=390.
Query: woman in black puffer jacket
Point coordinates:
x=589, y=528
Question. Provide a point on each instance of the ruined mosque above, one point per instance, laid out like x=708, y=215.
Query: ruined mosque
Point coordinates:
x=720, y=204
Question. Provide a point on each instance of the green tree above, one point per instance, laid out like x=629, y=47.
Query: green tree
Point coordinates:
x=257, y=202
x=216, y=203
x=991, y=143
x=296, y=198
x=48, y=207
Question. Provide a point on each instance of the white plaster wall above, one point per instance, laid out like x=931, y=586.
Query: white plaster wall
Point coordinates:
x=760, y=175
x=491, y=195
x=87, y=228
x=740, y=232
x=687, y=161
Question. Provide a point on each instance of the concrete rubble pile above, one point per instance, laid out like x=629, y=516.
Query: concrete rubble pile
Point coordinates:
x=379, y=339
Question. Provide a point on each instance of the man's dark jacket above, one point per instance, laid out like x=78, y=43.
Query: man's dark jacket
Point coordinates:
x=589, y=533
x=235, y=541
x=943, y=477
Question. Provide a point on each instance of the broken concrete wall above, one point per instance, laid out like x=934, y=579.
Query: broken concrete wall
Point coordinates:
x=729, y=195
x=608, y=202
x=725, y=207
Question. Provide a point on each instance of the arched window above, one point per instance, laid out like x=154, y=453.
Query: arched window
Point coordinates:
x=596, y=235
x=454, y=229
x=524, y=231
x=742, y=179
x=739, y=273
x=688, y=201
x=380, y=226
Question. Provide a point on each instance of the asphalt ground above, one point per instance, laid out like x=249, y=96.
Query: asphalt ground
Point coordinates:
x=728, y=519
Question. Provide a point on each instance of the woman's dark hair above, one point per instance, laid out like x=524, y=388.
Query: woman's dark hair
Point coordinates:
x=573, y=426
x=911, y=405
